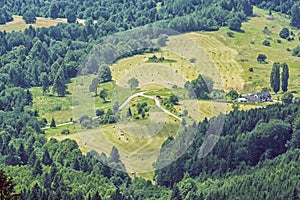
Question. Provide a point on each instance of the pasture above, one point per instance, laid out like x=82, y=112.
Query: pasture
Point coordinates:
x=19, y=25
x=247, y=45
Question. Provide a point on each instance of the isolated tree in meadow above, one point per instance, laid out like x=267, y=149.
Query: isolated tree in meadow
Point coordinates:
x=52, y=124
x=284, y=77
x=7, y=187
x=275, y=77
x=284, y=33
x=59, y=86
x=53, y=11
x=261, y=58
x=133, y=83
x=103, y=94
x=29, y=17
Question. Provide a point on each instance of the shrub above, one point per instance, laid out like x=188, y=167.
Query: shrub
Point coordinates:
x=230, y=34
x=65, y=132
x=266, y=43
x=251, y=69
x=284, y=33
x=296, y=51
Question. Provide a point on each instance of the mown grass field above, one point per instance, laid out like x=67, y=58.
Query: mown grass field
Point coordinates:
x=138, y=141
x=164, y=74
x=199, y=110
x=227, y=60
x=18, y=23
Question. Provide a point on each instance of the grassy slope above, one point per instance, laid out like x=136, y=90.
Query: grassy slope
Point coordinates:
x=218, y=52
x=253, y=31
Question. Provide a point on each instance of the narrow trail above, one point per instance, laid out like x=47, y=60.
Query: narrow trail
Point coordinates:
x=157, y=103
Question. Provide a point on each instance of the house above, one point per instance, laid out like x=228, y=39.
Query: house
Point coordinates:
x=258, y=97
x=241, y=100
x=264, y=96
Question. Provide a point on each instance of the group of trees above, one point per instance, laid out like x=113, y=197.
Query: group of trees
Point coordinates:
x=249, y=142
x=249, y=146
x=290, y=7
x=199, y=88
x=275, y=77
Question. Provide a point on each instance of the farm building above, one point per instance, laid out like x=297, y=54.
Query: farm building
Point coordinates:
x=259, y=97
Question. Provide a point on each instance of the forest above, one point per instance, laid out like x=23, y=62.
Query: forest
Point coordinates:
x=257, y=153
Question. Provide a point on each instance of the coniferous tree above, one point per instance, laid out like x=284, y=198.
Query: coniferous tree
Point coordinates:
x=284, y=77
x=97, y=196
x=46, y=158
x=59, y=83
x=7, y=187
x=45, y=82
x=129, y=113
x=53, y=11
x=37, y=168
x=29, y=17
x=53, y=123
x=175, y=193
x=22, y=153
x=275, y=77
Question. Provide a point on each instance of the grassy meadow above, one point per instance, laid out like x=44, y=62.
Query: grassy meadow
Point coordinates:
x=248, y=44
x=18, y=23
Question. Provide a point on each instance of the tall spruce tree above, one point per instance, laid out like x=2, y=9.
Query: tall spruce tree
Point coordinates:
x=59, y=86
x=275, y=77
x=284, y=77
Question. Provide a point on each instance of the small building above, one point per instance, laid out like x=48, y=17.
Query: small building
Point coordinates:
x=264, y=96
x=241, y=100
x=258, y=97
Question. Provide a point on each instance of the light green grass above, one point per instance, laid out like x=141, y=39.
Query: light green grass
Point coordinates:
x=200, y=109
x=52, y=132
x=253, y=31
x=49, y=105
x=138, y=142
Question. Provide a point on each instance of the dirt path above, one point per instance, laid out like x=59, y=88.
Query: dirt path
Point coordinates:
x=157, y=103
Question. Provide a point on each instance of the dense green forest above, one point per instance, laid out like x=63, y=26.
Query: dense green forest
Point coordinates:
x=257, y=153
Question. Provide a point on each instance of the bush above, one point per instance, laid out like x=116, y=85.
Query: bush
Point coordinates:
x=65, y=132
x=230, y=34
x=284, y=33
x=296, y=51
x=251, y=69
x=278, y=41
x=266, y=43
